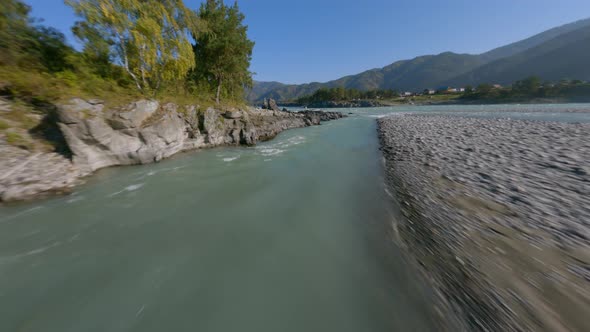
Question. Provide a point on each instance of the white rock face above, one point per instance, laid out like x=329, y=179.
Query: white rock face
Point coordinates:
x=140, y=133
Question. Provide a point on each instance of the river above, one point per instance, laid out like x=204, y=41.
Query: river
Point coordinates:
x=290, y=235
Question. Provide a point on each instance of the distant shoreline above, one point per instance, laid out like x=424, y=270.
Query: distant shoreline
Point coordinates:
x=458, y=101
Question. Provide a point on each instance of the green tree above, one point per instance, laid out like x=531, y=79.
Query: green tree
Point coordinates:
x=484, y=89
x=528, y=86
x=224, y=53
x=148, y=38
x=14, y=30
x=31, y=47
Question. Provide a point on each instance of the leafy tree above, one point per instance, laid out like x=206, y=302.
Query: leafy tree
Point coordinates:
x=528, y=86
x=31, y=47
x=51, y=49
x=14, y=30
x=148, y=38
x=484, y=88
x=224, y=53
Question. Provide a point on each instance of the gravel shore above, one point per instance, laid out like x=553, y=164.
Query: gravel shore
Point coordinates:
x=497, y=214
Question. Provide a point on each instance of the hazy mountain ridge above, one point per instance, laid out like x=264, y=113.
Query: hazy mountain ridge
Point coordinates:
x=554, y=54
x=523, y=45
x=565, y=56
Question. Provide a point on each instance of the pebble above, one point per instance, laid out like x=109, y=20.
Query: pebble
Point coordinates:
x=527, y=179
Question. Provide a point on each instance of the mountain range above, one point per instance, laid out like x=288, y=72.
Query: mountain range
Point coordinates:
x=555, y=54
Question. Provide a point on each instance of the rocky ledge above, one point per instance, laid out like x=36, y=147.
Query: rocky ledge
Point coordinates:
x=139, y=133
x=497, y=214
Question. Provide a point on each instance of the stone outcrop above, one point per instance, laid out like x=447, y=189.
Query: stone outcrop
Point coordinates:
x=26, y=174
x=270, y=104
x=140, y=133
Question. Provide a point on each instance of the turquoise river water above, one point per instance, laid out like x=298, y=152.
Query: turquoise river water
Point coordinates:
x=290, y=235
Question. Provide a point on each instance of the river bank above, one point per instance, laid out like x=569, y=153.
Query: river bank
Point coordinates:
x=496, y=214
x=289, y=235
x=139, y=133
x=439, y=100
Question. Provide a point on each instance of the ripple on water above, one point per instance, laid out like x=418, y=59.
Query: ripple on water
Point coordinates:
x=75, y=199
x=16, y=215
x=267, y=152
x=130, y=188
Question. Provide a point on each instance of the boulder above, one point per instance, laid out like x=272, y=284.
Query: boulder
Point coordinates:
x=133, y=115
x=272, y=105
x=233, y=114
x=191, y=119
x=78, y=109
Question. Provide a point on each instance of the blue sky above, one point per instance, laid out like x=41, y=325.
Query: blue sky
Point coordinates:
x=300, y=41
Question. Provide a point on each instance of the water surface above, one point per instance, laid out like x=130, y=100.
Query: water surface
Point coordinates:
x=286, y=236
x=291, y=235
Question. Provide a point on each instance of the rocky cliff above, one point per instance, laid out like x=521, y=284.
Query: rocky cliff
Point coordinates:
x=139, y=133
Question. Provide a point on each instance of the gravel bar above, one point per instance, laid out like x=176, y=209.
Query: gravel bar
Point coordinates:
x=497, y=214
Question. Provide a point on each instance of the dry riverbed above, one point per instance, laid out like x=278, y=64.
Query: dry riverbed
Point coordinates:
x=497, y=214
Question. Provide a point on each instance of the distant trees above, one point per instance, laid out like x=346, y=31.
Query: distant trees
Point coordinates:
x=530, y=88
x=148, y=38
x=223, y=54
x=341, y=93
x=484, y=88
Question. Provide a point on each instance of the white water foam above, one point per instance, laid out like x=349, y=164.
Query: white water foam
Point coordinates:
x=130, y=188
x=152, y=173
x=267, y=152
x=75, y=199
x=10, y=259
x=280, y=147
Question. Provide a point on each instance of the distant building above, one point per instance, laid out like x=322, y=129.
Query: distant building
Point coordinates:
x=446, y=89
x=429, y=92
x=461, y=90
x=497, y=86
x=406, y=94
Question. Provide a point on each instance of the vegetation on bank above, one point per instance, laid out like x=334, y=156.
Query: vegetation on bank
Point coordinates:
x=529, y=89
x=131, y=49
x=343, y=94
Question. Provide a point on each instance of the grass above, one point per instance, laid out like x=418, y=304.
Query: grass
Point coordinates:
x=21, y=117
x=32, y=96
x=16, y=139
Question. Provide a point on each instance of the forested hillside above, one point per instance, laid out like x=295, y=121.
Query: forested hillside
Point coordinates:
x=555, y=54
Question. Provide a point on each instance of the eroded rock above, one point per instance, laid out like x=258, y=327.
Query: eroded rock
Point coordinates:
x=139, y=133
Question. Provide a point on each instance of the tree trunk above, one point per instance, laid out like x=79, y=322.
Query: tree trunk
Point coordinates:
x=126, y=63
x=218, y=91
